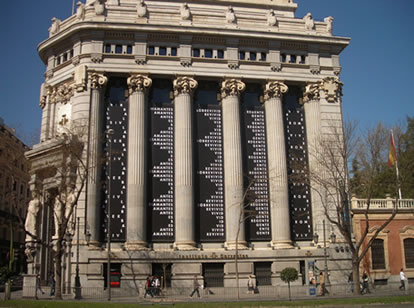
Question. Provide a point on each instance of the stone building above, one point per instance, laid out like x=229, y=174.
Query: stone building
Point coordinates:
x=209, y=105
x=14, y=194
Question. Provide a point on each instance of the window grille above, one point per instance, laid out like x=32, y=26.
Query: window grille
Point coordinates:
x=409, y=252
x=213, y=275
x=263, y=272
x=377, y=254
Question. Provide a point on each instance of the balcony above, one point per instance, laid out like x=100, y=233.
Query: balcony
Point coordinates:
x=386, y=204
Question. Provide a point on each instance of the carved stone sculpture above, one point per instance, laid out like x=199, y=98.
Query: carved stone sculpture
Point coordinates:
x=30, y=224
x=80, y=11
x=274, y=89
x=311, y=92
x=138, y=83
x=329, y=22
x=185, y=11
x=100, y=7
x=141, y=9
x=309, y=23
x=55, y=27
x=232, y=87
x=98, y=80
x=230, y=16
x=271, y=18
x=332, y=88
x=184, y=85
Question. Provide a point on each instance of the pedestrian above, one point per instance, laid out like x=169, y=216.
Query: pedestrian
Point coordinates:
x=351, y=282
x=402, y=279
x=148, y=287
x=196, y=286
x=157, y=285
x=250, y=285
x=38, y=287
x=322, y=284
x=52, y=283
x=365, y=280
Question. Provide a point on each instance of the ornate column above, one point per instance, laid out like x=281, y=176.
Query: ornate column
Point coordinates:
x=136, y=177
x=277, y=165
x=183, y=164
x=97, y=84
x=233, y=166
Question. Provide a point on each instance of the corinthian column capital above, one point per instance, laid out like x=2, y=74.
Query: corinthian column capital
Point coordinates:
x=274, y=89
x=184, y=85
x=98, y=81
x=332, y=88
x=311, y=92
x=138, y=83
x=232, y=87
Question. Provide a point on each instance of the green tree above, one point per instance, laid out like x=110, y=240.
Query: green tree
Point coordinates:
x=405, y=150
x=288, y=275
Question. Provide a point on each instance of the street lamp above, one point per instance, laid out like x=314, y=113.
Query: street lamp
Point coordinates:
x=110, y=134
x=78, y=291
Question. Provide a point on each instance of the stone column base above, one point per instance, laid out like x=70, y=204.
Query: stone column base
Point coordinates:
x=185, y=245
x=136, y=245
x=29, y=286
x=242, y=245
x=282, y=245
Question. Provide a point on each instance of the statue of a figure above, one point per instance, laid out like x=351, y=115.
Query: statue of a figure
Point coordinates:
x=309, y=23
x=329, y=22
x=185, y=11
x=54, y=28
x=30, y=224
x=99, y=7
x=230, y=16
x=141, y=8
x=80, y=11
x=271, y=18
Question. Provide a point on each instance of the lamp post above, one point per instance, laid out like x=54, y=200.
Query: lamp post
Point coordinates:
x=110, y=133
x=78, y=291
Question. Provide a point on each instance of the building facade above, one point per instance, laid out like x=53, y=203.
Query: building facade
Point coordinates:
x=393, y=248
x=196, y=112
x=14, y=195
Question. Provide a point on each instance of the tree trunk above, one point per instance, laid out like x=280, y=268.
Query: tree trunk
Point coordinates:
x=355, y=274
x=289, y=290
x=58, y=270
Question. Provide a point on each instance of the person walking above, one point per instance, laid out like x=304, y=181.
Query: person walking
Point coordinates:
x=38, y=287
x=250, y=285
x=322, y=284
x=52, y=283
x=196, y=286
x=351, y=282
x=402, y=279
x=148, y=287
x=365, y=280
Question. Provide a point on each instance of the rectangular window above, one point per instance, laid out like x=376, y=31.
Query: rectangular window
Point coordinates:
x=208, y=53
x=151, y=50
x=220, y=54
x=283, y=57
x=108, y=48
x=302, y=60
x=292, y=59
x=118, y=49
x=174, y=51
x=196, y=52
x=65, y=57
x=129, y=49
x=163, y=51
x=263, y=272
x=409, y=252
x=377, y=254
x=242, y=55
x=252, y=56
x=263, y=56
x=213, y=275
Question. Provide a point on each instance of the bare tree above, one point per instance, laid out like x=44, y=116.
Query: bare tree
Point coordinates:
x=328, y=178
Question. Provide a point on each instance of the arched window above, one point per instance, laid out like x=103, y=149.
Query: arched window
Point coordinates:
x=409, y=252
x=377, y=254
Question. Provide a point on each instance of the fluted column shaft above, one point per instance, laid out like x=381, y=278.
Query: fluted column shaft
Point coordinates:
x=136, y=177
x=233, y=165
x=183, y=164
x=276, y=151
x=97, y=84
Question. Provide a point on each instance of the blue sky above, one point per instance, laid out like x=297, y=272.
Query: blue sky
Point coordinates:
x=377, y=67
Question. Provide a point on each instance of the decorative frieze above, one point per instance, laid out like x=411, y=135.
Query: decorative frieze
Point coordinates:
x=61, y=93
x=232, y=87
x=184, y=85
x=138, y=83
x=274, y=89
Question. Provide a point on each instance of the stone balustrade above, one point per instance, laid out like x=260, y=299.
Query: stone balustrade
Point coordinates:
x=382, y=204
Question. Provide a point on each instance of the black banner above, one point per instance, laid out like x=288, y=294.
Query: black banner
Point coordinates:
x=116, y=119
x=209, y=179
x=256, y=179
x=161, y=174
x=297, y=157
